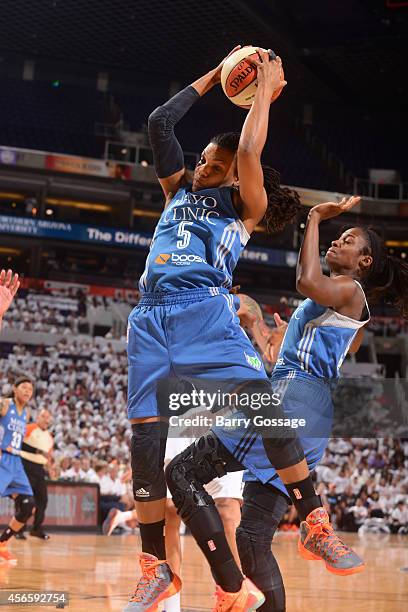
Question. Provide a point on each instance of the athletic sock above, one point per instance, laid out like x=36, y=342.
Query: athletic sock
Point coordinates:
x=208, y=531
x=152, y=536
x=172, y=604
x=7, y=534
x=126, y=516
x=303, y=496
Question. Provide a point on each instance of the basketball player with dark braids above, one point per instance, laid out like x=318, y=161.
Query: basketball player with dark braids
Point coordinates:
x=185, y=323
x=225, y=449
x=335, y=313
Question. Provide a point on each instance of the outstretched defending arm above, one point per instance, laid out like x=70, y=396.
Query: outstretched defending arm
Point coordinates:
x=310, y=280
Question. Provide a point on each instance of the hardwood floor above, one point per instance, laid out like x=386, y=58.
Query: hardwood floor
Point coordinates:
x=99, y=572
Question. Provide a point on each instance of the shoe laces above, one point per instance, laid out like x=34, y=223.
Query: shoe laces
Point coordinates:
x=146, y=585
x=326, y=540
x=223, y=598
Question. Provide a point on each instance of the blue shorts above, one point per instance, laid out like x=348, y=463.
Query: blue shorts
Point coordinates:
x=186, y=333
x=303, y=397
x=13, y=478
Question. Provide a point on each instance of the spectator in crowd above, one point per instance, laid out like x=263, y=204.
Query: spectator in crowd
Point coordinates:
x=358, y=513
x=112, y=491
x=399, y=518
x=87, y=473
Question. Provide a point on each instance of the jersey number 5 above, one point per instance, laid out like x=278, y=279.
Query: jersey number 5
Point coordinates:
x=184, y=234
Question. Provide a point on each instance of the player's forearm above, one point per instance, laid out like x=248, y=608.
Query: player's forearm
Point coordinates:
x=1, y=321
x=309, y=269
x=255, y=128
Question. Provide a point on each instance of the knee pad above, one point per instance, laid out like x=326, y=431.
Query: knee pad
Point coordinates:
x=189, y=471
x=148, y=447
x=24, y=505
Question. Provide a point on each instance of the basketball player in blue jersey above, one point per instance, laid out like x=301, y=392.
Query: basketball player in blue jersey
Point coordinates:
x=13, y=479
x=9, y=285
x=185, y=323
x=327, y=325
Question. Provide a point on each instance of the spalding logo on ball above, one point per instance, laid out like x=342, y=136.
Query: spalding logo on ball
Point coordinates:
x=238, y=77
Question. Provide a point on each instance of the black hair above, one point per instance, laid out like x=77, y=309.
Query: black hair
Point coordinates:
x=22, y=379
x=227, y=140
x=387, y=277
x=283, y=203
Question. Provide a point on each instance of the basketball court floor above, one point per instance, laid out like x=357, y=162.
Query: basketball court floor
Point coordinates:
x=99, y=572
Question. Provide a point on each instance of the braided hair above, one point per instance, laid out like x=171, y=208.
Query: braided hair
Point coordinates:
x=387, y=277
x=283, y=203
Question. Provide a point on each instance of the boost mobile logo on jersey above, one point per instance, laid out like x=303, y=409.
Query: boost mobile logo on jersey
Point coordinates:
x=179, y=259
x=162, y=258
x=254, y=361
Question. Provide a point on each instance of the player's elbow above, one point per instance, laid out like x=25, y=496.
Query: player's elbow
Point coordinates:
x=155, y=116
x=157, y=122
x=303, y=283
x=248, y=149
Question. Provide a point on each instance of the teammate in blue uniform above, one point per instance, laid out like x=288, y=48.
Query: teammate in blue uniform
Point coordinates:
x=13, y=479
x=326, y=326
x=185, y=323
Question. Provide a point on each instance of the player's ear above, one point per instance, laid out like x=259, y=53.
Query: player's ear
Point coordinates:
x=365, y=263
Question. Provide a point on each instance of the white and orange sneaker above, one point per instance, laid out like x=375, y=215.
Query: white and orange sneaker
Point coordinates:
x=248, y=598
x=5, y=554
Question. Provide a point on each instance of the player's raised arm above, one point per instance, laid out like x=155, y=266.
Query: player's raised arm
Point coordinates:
x=252, y=141
x=9, y=285
x=167, y=152
x=334, y=291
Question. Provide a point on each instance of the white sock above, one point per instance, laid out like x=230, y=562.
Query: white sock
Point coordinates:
x=127, y=516
x=172, y=604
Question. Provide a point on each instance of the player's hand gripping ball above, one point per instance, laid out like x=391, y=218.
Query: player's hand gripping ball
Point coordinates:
x=239, y=76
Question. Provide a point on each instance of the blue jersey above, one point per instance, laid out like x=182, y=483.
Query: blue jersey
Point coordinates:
x=12, y=428
x=197, y=242
x=317, y=341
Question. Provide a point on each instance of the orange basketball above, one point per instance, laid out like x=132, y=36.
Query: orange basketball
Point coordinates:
x=238, y=77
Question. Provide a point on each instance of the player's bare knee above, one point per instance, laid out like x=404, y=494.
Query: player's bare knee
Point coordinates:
x=229, y=510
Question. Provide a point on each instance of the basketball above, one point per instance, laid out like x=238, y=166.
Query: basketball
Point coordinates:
x=238, y=77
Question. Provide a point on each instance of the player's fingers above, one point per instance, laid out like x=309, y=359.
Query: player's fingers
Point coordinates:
x=2, y=276
x=263, y=55
x=277, y=319
x=7, y=280
x=15, y=285
x=353, y=201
